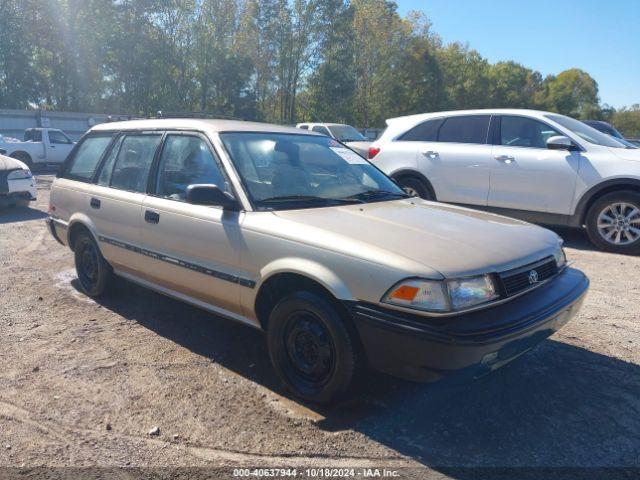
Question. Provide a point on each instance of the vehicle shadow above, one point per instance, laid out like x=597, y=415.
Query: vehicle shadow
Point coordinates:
x=574, y=238
x=559, y=405
x=20, y=214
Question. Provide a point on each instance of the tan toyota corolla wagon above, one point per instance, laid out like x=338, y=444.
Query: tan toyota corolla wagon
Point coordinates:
x=295, y=234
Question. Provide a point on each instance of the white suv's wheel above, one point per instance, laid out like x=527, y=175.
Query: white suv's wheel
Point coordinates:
x=613, y=222
x=414, y=187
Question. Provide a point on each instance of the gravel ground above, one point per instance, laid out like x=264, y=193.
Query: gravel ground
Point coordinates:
x=83, y=383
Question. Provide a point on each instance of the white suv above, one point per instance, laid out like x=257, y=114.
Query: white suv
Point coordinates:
x=341, y=132
x=538, y=166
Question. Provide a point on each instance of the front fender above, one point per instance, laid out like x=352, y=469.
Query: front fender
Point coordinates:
x=310, y=269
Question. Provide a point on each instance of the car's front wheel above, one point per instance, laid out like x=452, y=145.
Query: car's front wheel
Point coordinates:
x=613, y=222
x=313, y=351
x=94, y=273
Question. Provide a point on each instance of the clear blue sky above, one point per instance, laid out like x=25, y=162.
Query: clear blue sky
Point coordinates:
x=600, y=37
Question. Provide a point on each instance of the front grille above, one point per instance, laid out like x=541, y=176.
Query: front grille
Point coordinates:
x=522, y=278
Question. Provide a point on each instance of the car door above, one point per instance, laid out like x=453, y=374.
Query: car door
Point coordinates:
x=526, y=175
x=192, y=249
x=115, y=200
x=59, y=146
x=454, y=155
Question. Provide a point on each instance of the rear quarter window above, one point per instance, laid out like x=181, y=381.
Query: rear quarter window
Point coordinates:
x=84, y=162
x=423, y=132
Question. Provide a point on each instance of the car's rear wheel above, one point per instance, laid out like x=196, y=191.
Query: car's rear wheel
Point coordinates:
x=24, y=158
x=414, y=187
x=313, y=351
x=94, y=273
x=613, y=222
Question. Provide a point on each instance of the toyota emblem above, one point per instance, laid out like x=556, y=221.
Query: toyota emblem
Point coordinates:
x=533, y=277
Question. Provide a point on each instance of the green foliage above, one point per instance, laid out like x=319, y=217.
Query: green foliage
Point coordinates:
x=353, y=61
x=627, y=120
x=573, y=92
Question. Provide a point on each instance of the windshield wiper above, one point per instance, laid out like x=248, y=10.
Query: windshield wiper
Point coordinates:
x=377, y=193
x=307, y=198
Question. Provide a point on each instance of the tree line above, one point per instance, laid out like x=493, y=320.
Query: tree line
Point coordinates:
x=284, y=61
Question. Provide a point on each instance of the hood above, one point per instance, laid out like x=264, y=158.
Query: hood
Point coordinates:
x=361, y=147
x=632, y=154
x=451, y=240
x=8, y=163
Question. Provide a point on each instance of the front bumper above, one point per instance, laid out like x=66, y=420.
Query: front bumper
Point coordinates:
x=423, y=348
x=13, y=198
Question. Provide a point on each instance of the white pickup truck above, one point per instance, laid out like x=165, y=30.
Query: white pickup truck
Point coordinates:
x=41, y=146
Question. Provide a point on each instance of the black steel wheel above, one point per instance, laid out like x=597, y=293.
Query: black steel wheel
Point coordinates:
x=94, y=273
x=313, y=350
x=309, y=347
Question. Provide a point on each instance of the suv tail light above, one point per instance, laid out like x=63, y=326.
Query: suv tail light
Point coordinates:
x=373, y=151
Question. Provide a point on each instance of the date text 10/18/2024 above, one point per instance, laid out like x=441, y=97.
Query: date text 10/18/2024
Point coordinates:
x=316, y=472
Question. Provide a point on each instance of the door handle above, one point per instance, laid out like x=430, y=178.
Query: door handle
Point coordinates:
x=151, y=217
x=95, y=203
x=505, y=158
x=430, y=154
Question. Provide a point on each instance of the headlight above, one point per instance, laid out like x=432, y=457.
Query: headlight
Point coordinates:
x=559, y=256
x=421, y=294
x=472, y=291
x=19, y=175
x=442, y=296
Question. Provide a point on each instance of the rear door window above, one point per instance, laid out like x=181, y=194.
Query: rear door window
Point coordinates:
x=465, y=129
x=104, y=178
x=33, y=135
x=86, y=159
x=133, y=162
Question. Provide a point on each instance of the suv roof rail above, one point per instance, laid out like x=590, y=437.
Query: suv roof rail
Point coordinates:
x=210, y=115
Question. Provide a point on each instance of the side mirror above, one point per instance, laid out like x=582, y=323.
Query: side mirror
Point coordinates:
x=209, y=194
x=559, y=142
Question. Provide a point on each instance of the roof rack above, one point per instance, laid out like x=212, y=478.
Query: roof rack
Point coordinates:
x=209, y=115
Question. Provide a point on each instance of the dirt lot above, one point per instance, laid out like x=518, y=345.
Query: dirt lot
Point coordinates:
x=82, y=383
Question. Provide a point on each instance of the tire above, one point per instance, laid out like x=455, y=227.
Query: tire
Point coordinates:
x=314, y=352
x=613, y=222
x=94, y=273
x=25, y=158
x=414, y=187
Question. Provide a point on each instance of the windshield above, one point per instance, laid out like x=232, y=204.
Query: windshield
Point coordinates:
x=586, y=132
x=346, y=133
x=287, y=171
x=615, y=133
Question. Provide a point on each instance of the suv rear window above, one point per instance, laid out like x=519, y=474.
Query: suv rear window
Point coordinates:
x=86, y=159
x=465, y=129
